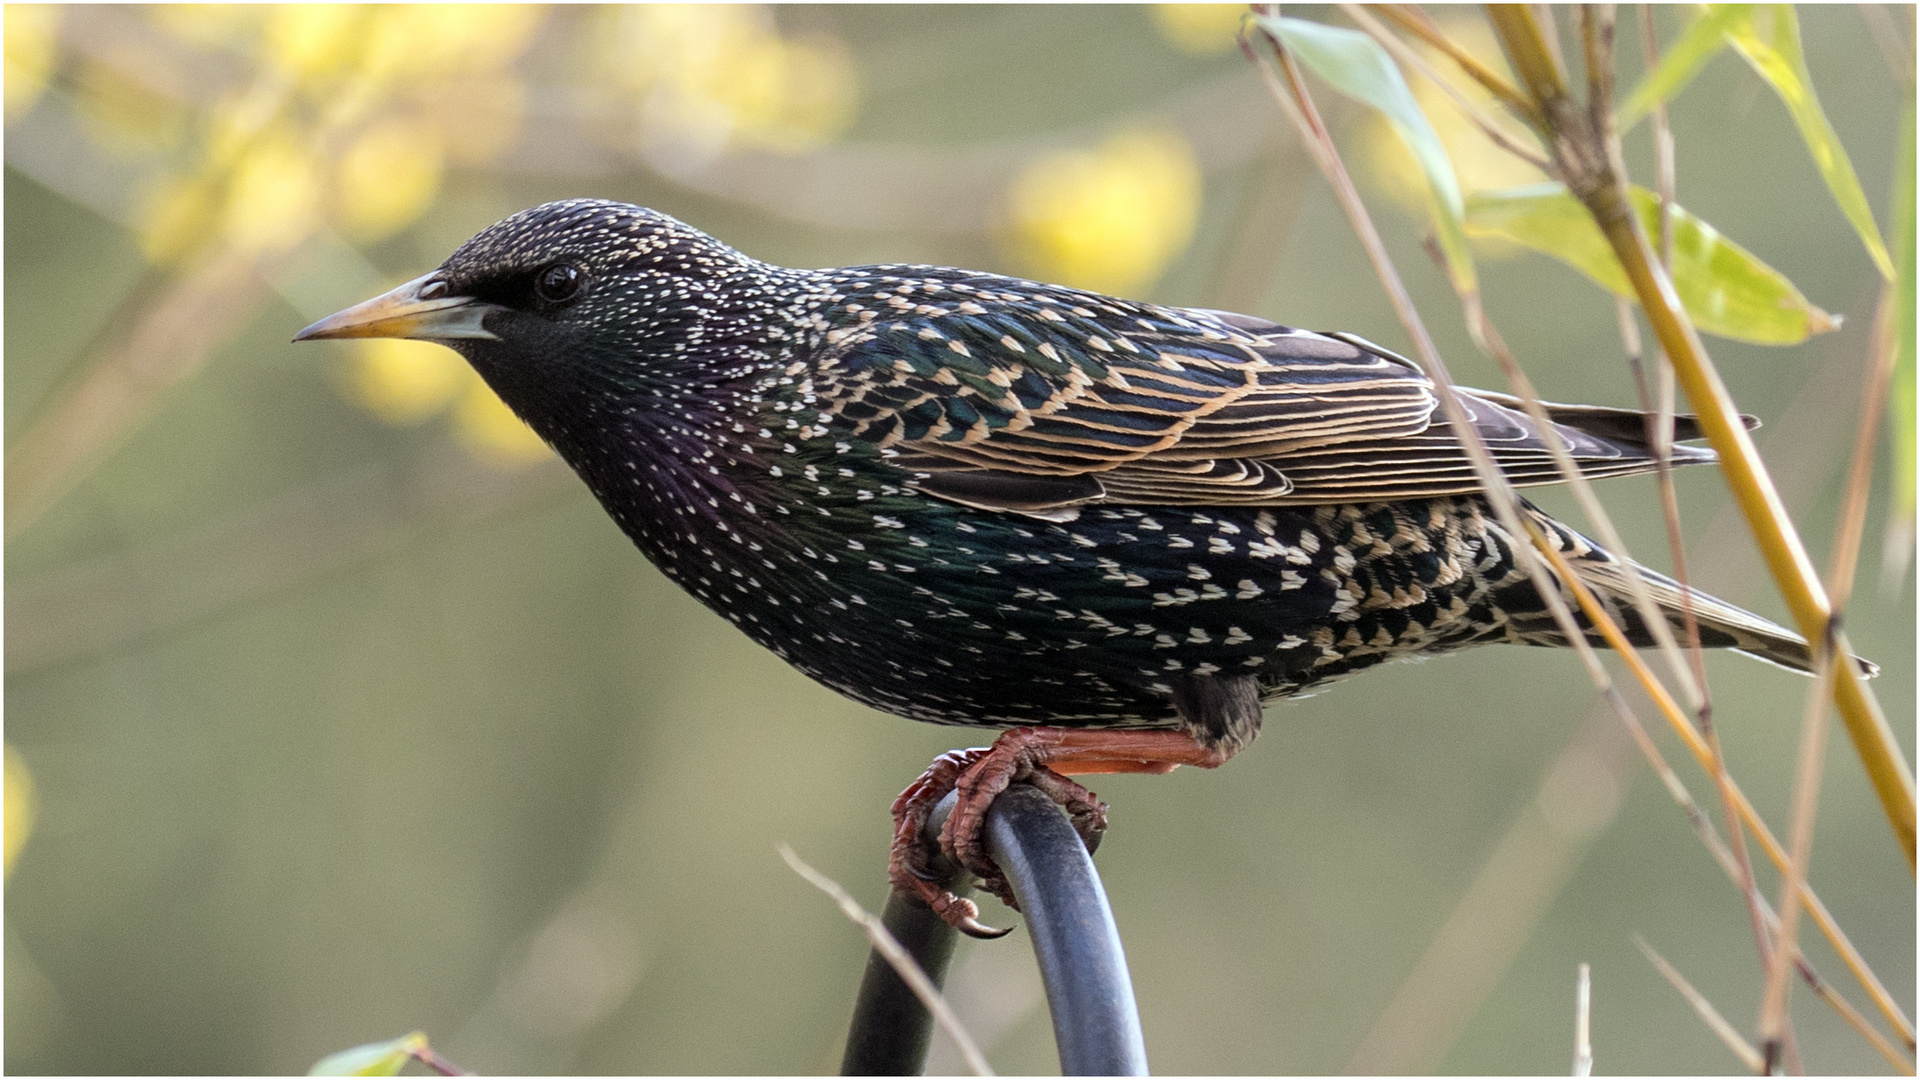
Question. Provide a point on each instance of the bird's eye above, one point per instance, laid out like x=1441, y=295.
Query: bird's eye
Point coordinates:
x=559, y=283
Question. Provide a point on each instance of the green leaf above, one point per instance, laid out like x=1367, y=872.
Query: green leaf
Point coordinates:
x=373, y=1059
x=1769, y=39
x=1725, y=289
x=1697, y=44
x=1354, y=64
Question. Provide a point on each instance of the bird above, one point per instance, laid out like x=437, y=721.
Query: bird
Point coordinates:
x=1113, y=530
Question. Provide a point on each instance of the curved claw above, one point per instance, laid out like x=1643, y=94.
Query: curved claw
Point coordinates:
x=980, y=931
x=963, y=915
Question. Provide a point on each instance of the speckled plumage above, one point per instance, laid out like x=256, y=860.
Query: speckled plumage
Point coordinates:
x=977, y=500
x=1112, y=527
x=971, y=499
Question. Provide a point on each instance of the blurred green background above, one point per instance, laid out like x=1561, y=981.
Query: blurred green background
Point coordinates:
x=335, y=708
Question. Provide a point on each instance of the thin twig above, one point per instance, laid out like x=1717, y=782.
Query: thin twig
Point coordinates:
x=1709, y=837
x=1741, y=868
x=1665, y=184
x=1702, y=752
x=1806, y=799
x=1295, y=99
x=1468, y=107
x=1491, y=343
x=1728, y=1034
x=1704, y=831
x=1414, y=21
x=1885, y=346
x=425, y=1055
x=1844, y=560
x=1592, y=165
x=1596, y=26
x=1583, y=1020
x=1660, y=439
x=1297, y=103
x=902, y=962
x=1661, y=430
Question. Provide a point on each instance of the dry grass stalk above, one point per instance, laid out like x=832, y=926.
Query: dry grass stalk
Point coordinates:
x=897, y=956
x=1806, y=794
x=1660, y=402
x=1689, y=671
x=1410, y=18
x=1295, y=100
x=1588, y=159
x=1583, y=1020
x=1703, y=829
x=1401, y=52
x=1727, y=1032
x=1591, y=605
x=1845, y=560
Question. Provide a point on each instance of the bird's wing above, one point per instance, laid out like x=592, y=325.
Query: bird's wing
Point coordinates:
x=1000, y=395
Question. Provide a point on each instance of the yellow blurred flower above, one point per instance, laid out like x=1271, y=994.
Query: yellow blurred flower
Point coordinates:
x=32, y=47
x=409, y=382
x=417, y=41
x=236, y=121
x=386, y=179
x=820, y=95
x=274, y=200
x=406, y=382
x=1480, y=164
x=706, y=75
x=1110, y=219
x=1199, y=29
x=310, y=41
x=491, y=432
x=21, y=805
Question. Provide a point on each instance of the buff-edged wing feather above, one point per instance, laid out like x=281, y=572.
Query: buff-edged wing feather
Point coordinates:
x=1002, y=394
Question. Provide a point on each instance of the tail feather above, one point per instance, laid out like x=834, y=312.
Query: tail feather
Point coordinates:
x=1722, y=625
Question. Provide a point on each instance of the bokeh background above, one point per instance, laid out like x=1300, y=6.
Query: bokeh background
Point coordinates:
x=336, y=708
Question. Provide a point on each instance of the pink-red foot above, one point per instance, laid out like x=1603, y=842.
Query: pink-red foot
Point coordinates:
x=909, y=863
x=979, y=775
x=1042, y=757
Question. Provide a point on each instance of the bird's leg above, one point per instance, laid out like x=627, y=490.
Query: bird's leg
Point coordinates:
x=1041, y=756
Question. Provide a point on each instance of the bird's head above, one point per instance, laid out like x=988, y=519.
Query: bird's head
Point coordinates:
x=560, y=290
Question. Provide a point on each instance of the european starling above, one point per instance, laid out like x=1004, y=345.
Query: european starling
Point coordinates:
x=1114, y=528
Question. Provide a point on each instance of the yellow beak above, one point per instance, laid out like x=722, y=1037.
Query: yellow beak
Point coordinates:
x=405, y=313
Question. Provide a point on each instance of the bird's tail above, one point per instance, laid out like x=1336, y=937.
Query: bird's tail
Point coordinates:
x=1722, y=625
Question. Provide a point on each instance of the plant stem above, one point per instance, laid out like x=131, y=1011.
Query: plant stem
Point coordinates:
x=1588, y=159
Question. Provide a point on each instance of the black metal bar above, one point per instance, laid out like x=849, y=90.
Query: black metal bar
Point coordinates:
x=891, y=1029
x=1096, y=1024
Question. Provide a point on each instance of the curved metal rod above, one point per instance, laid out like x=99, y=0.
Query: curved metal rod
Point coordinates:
x=1096, y=1024
x=891, y=1030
